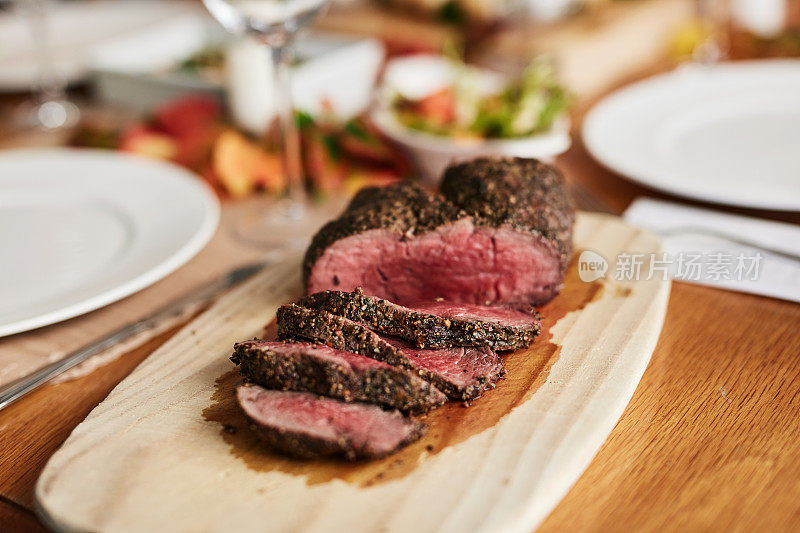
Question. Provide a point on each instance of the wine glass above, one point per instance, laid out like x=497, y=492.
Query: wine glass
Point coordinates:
x=712, y=15
x=276, y=23
x=51, y=110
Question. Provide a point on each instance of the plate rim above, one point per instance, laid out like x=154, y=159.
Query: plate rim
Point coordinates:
x=591, y=137
x=205, y=230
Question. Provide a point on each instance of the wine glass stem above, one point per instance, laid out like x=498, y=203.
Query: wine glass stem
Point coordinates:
x=50, y=86
x=289, y=133
x=712, y=15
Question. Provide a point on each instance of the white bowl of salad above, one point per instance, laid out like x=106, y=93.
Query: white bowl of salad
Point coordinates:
x=442, y=110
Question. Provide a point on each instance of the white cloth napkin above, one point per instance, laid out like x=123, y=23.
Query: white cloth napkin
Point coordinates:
x=733, y=252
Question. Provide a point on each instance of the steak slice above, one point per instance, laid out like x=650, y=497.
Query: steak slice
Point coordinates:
x=500, y=231
x=302, y=366
x=460, y=373
x=305, y=425
x=433, y=324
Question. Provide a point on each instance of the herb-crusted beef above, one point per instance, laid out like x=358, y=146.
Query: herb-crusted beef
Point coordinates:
x=499, y=232
x=460, y=373
x=305, y=425
x=339, y=374
x=433, y=324
x=524, y=194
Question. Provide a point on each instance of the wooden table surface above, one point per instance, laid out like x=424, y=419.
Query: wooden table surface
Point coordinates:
x=710, y=440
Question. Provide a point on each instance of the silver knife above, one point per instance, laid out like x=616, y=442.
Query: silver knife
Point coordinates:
x=197, y=298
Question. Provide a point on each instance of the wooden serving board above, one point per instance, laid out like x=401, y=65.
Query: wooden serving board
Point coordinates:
x=169, y=451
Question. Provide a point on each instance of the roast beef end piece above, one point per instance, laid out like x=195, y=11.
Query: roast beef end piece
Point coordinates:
x=460, y=373
x=500, y=232
x=457, y=262
x=307, y=426
x=523, y=193
x=433, y=324
x=302, y=366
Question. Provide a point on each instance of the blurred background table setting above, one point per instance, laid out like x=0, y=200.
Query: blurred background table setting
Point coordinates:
x=149, y=148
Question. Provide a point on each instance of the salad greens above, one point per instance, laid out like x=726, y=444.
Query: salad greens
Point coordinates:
x=525, y=106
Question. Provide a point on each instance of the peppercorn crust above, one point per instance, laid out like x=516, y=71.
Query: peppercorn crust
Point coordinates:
x=525, y=194
x=295, y=322
x=295, y=366
x=425, y=330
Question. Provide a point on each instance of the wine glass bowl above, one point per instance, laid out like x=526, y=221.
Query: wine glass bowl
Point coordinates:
x=273, y=22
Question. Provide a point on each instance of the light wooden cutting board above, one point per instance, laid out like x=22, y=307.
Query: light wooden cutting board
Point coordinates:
x=168, y=450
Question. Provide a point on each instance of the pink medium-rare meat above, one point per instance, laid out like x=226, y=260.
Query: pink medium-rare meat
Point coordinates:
x=471, y=370
x=460, y=373
x=305, y=425
x=458, y=261
x=302, y=366
x=498, y=233
x=502, y=316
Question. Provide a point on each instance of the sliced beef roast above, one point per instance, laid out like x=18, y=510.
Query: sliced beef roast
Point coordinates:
x=436, y=324
x=500, y=231
x=461, y=373
x=302, y=366
x=306, y=425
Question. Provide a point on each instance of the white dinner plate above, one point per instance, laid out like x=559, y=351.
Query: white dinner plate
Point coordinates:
x=80, y=229
x=75, y=29
x=727, y=134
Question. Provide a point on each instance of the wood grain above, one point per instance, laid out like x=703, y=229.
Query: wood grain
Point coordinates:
x=14, y=517
x=147, y=457
x=710, y=441
x=32, y=429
